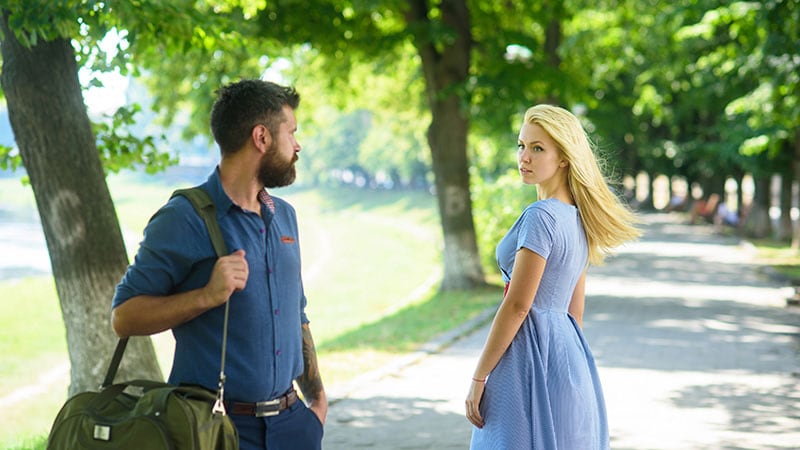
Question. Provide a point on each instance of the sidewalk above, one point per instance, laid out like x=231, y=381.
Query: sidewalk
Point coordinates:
x=696, y=350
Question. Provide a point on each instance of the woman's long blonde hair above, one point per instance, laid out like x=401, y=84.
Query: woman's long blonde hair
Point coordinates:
x=607, y=222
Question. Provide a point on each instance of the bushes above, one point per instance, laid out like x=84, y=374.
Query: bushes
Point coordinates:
x=496, y=206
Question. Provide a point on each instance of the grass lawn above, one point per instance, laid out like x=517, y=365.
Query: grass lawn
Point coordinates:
x=781, y=257
x=371, y=263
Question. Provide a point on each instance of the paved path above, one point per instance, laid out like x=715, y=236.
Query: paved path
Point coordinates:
x=696, y=350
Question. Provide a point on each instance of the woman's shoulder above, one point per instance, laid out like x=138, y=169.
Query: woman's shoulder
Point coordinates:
x=548, y=206
x=539, y=211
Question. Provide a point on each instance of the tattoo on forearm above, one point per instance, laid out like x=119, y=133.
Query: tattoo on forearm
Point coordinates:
x=310, y=381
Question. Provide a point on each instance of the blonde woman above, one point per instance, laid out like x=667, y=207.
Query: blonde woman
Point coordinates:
x=536, y=384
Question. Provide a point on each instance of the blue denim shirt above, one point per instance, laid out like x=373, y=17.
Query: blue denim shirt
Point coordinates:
x=264, y=350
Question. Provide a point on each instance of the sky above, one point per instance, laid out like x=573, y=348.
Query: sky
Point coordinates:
x=107, y=99
x=111, y=96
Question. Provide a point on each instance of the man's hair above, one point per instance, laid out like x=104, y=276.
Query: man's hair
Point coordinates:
x=244, y=104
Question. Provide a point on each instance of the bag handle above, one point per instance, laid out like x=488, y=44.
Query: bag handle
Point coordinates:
x=114, y=365
x=205, y=208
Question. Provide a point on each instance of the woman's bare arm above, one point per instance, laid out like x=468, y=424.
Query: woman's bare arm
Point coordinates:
x=578, y=300
x=525, y=279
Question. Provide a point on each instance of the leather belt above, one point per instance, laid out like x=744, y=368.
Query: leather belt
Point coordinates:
x=264, y=409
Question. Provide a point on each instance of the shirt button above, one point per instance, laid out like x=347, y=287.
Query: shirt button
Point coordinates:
x=277, y=311
x=261, y=230
x=278, y=353
x=270, y=270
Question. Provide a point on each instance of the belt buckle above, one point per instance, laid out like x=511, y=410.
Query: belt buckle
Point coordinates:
x=269, y=412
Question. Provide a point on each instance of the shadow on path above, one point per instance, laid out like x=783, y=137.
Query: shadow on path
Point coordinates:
x=399, y=423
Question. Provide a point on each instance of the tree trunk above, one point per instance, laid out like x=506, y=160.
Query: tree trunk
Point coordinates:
x=757, y=223
x=740, y=207
x=796, y=168
x=552, y=41
x=647, y=203
x=87, y=253
x=784, y=231
x=446, y=69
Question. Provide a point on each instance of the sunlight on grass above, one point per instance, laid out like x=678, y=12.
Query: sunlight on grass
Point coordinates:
x=359, y=266
x=372, y=345
x=406, y=329
x=34, y=443
x=780, y=256
x=32, y=336
x=34, y=349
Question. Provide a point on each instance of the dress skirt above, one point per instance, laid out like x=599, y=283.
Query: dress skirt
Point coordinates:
x=545, y=393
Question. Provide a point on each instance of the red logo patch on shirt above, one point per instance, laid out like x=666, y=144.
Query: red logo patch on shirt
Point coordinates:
x=287, y=240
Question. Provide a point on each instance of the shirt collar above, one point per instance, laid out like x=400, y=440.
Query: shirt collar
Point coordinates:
x=223, y=202
x=266, y=199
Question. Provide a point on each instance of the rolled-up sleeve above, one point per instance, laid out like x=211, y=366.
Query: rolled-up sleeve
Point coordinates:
x=165, y=256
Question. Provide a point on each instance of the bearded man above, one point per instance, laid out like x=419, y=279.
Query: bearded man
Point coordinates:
x=178, y=283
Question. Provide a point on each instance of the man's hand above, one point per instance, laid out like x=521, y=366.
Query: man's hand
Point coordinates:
x=320, y=407
x=229, y=275
x=310, y=381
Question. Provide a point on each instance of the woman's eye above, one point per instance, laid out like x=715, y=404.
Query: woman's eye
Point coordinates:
x=520, y=147
x=537, y=148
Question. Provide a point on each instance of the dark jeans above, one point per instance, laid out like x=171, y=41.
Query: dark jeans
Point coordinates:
x=296, y=428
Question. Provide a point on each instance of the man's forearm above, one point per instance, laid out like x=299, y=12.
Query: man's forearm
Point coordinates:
x=310, y=382
x=145, y=315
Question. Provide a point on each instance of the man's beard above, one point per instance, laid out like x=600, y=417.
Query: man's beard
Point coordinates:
x=275, y=172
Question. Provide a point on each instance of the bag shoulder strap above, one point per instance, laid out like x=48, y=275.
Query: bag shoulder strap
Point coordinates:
x=207, y=210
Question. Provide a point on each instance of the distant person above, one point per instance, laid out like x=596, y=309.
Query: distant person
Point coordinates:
x=725, y=216
x=704, y=210
x=536, y=385
x=176, y=281
x=677, y=202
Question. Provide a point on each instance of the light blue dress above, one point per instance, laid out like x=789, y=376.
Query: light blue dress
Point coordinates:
x=545, y=392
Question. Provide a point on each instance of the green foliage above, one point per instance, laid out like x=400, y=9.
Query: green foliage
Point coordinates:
x=697, y=113
x=87, y=23
x=45, y=20
x=385, y=106
x=119, y=149
x=772, y=108
x=679, y=88
x=497, y=205
x=10, y=159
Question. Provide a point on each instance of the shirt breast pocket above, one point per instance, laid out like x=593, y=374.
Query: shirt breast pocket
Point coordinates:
x=288, y=258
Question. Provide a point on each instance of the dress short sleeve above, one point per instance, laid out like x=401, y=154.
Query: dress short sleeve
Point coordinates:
x=536, y=231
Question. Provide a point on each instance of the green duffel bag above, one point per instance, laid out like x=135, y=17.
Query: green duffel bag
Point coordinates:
x=156, y=416
x=159, y=415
